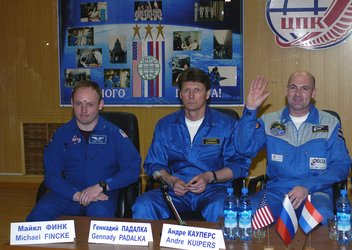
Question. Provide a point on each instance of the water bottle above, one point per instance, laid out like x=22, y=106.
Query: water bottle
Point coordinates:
x=343, y=209
x=245, y=216
x=230, y=215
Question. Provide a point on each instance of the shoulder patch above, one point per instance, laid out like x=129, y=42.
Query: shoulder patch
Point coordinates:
x=124, y=135
x=340, y=134
x=50, y=140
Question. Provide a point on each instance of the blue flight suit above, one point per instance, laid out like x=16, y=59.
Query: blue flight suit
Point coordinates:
x=314, y=156
x=73, y=163
x=172, y=150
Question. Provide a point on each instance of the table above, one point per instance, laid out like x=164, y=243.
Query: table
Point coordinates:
x=319, y=238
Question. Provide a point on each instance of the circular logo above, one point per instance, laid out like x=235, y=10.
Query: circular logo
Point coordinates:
x=278, y=129
x=148, y=68
x=309, y=24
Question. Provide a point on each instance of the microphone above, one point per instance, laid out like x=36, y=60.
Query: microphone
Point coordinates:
x=163, y=186
x=157, y=176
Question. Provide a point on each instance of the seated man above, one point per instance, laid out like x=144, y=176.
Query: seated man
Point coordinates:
x=194, y=152
x=306, y=151
x=86, y=162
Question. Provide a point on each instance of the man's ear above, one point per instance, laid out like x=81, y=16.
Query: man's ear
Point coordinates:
x=101, y=104
x=208, y=94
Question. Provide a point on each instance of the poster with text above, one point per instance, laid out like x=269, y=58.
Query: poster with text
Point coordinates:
x=135, y=50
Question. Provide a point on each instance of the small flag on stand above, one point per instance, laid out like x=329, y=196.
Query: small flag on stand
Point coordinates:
x=310, y=217
x=263, y=215
x=287, y=223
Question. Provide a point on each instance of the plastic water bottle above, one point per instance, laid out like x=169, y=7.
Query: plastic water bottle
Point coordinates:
x=343, y=209
x=245, y=216
x=230, y=216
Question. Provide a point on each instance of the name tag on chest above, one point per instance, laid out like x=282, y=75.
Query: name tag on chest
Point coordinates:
x=317, y=163
x=211, y=141
x=97, y=139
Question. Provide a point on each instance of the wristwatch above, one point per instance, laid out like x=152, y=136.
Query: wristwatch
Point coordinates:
x=103, y=185
x=215, y=178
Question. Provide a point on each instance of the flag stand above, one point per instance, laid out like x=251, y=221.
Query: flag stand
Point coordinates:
x=268, y=247
x=309, y=247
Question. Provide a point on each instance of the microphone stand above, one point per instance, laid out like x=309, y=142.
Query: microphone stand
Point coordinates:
x=168, y=199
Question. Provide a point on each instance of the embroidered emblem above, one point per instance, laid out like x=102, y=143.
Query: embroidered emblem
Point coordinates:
x=278, y=129
x=76, y=139
x=97, y=139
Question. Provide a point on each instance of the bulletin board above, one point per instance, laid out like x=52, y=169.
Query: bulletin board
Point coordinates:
x=135, y=50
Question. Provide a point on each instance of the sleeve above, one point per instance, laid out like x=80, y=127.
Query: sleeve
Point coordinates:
x=54, y=165
x=239, y=164
x=156, y=159
x=128, y=161
x=249, y=134
x=338, y=164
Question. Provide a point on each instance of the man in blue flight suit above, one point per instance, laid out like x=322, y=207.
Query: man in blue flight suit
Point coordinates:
x=306, y=151
x=193, y=150
x=86, y=162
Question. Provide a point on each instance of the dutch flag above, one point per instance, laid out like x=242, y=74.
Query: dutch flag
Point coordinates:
x=310, y=217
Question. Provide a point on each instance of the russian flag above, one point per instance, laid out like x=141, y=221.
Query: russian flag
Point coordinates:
x=287, y=224
x=310, y=217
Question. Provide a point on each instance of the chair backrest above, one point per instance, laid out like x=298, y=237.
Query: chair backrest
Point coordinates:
x=334, y=113
x=129, y=124
x=229, y=112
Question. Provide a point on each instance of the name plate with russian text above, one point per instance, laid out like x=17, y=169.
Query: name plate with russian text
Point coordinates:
x=120, y=233
x=186, y=237
x=42, y=232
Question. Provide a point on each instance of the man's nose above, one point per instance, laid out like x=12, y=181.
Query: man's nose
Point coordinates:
x=84, y=108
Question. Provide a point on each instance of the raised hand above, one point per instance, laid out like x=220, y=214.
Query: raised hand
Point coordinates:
x=258, y=92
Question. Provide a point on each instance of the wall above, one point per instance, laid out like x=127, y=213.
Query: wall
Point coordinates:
x=29, y=87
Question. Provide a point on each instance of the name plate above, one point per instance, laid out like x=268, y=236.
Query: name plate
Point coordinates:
x=42, y=232
x=186, y=237
x=120, y=233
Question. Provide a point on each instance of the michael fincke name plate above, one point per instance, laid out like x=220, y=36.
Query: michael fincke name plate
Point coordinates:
x=42, y=232
x=120, y=233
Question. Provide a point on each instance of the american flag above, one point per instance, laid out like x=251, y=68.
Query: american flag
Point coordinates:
x=263, y=216
x=137, y=81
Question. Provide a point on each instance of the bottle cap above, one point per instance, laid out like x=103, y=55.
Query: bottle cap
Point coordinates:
x=229, y=190
x=343, y=192
x=244, y=190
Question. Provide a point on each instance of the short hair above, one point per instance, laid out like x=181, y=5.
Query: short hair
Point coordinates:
x=87, y=84
x=302, y=72
x=194, y=75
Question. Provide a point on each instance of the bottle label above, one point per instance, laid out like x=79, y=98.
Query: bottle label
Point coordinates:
x=245, y=219
x=343, y=221
x=230, y=218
